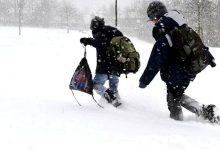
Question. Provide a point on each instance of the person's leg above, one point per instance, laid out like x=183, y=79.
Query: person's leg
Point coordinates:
x=174, y=95
x=99, y=81
x=109, y=94
x=209, y=111
x=113, y=83
x=176, y=99
x=113, y=87
x=191, y=104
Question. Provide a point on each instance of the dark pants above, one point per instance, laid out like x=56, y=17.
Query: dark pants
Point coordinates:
x=176, y=99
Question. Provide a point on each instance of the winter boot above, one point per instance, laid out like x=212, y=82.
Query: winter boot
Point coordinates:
x=177, y=114
x=111, y=97
x=210, y=112
x=175, y=109
x=116, y=103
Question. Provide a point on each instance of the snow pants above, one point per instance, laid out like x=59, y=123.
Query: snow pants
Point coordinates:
x=176, y=99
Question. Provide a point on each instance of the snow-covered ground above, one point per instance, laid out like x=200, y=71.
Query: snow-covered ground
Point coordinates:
x=38, y=111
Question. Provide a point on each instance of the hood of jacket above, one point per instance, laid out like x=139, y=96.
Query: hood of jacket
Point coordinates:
x=171, y=20
x=176, y=16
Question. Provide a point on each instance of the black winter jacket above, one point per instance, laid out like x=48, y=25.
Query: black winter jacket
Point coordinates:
x=163, y=57
x=101, y=40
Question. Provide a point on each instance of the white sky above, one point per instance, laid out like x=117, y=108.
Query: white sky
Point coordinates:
x=91, y=5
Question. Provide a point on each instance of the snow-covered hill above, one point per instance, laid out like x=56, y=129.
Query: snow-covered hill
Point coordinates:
x=38, y=111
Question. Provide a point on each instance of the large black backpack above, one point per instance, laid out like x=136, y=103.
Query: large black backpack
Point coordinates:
x=192, y=53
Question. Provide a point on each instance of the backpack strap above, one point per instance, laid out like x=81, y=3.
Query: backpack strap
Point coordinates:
x=169, y=40
x=85, y=53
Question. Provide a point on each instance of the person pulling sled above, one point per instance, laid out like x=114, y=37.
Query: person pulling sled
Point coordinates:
x=101, y=39
x=116, y=55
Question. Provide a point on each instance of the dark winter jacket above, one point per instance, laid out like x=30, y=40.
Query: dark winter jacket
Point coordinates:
x=101, y=40
x=163, y=57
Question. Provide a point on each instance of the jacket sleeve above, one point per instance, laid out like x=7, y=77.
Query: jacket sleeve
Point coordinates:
x=98, y=43
x=157, y=59
x=101, y=39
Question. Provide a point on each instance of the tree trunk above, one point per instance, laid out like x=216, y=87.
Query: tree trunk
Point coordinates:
x=20, y=4
x=218, y=15
x=19, y=20
x=67, y=21
x=200, y=31
x=116, y=13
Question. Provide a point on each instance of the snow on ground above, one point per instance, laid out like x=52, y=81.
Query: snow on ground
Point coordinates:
x=38, y=111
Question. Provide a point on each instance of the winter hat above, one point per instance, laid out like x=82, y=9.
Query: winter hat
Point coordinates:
x=96, y=23
x=156, y=9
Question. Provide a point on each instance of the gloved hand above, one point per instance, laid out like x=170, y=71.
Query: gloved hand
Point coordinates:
x=86, y=41
x=142, y=85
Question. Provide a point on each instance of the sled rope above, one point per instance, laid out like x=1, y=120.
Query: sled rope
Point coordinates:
x=76, y=99
x=92, y=98
x=97, y=102
x=85, y=53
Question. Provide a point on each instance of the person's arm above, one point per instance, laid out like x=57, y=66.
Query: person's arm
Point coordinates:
x=99, y=43
x=95, y=42
x=157, y=58
x=102, y=38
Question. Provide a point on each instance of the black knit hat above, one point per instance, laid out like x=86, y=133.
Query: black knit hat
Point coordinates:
x=156, y=9
x=96, y=23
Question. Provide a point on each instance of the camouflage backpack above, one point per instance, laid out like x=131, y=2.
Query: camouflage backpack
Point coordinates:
x=122, y=56
x=191, y=51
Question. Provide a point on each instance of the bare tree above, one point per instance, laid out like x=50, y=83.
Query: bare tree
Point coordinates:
x=201, y=14
x=7, y=12
x=20, y=6
x=218, y=15
x=67, y=10
x=196, y=7
x=116, y=13
x=69, y=16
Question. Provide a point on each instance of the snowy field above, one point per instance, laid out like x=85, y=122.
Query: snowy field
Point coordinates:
x=38, y=111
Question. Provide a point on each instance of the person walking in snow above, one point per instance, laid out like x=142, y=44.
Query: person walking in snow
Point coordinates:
x=163, y=59
x=102, y=35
